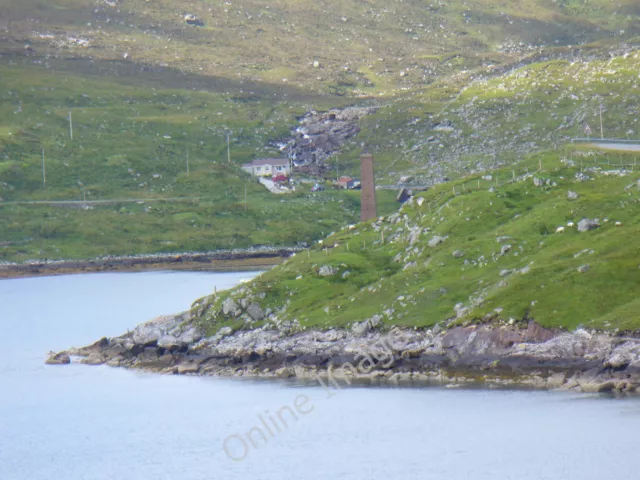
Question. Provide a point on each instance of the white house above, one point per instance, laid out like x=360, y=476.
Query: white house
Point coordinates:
x=268, y=167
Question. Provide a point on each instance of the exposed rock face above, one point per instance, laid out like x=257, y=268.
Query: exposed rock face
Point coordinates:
x=327, y=271
x=586, y=224
x=435, y=241
x=58, y=359
x=230, y=307
x=255, y=312
x=191, y=19
x=320, y=135
x=496, y=354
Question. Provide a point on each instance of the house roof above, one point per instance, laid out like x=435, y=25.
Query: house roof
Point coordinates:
x=345, y=179
x=260, y=162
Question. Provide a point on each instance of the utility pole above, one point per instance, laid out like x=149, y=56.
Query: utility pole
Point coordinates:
x=337, y=170
x=44, y=172
x=70, y=125
x=601, y=124
x=245, y=197
x=228, y=149
x=187, y=160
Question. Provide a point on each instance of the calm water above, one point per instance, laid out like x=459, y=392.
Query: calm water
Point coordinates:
x=81, y=422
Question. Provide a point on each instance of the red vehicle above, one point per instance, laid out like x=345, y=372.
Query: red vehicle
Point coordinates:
x=280, y=178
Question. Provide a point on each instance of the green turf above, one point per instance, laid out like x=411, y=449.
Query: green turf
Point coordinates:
x=148, y=91
x=419, y=286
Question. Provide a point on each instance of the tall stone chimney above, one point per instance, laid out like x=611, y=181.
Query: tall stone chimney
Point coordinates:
x=368, y=208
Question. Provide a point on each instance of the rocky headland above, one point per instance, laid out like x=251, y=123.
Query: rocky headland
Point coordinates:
x=495, y=355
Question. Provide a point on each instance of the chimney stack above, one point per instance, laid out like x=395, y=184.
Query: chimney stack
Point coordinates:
x=368, y=209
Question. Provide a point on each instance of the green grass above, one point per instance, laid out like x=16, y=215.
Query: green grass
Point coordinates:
x=422, y=288
x=181, y=89
x=131, y=142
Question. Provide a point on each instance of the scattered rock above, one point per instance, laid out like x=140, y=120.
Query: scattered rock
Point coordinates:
x=168, y=342
x=190, y=336
x=436, y=240
x=255, y=312
x=572, y=195
x=225, y=331
x=188, y=368
x=58, y=359
x=583, y=268
x=230, y=307
x=586, y=224
x=93, y=359
x=327, y=271
x=147, y=334
x=414, y=236
x=458, y=254
x=194, y=20
x=116, y=361
x=505, y=249
x=362, y=328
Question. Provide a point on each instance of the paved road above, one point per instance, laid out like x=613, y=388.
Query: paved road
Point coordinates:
x=618, y=147
x=612, y=144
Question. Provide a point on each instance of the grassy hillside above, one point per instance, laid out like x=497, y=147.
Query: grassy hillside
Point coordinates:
x=474, y=123
x=461, y=88
x=481, y=249
x=131, y=140
x=361, y=47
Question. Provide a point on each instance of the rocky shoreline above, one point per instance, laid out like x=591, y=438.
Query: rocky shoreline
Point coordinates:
x=236, y=260
x=489, y=355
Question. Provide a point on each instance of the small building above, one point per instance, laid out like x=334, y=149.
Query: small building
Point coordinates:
x=345, y=182
x=268, y=167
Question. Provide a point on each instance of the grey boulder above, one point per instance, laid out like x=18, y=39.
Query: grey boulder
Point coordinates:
x=586, y=224
x=327, y=271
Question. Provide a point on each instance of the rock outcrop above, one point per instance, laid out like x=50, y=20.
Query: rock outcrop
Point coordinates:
x=58, y=359
x=320, y=135
x=495, y=354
